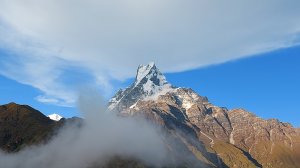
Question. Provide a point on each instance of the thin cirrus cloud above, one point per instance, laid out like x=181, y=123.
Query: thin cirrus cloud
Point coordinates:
x=108, y=39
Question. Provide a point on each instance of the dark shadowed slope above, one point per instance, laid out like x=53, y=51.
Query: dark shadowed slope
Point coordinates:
x=22, y=125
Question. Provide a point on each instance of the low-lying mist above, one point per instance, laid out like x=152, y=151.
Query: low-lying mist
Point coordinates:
x=102, y=135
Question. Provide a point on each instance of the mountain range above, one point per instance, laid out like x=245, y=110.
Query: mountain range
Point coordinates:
x=199, y=132
x=237, y=137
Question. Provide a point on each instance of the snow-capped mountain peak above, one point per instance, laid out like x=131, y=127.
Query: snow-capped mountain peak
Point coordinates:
x=143, y=70
x=55, y=117
x=150, y=72
x=150, y=83
x=151, y=80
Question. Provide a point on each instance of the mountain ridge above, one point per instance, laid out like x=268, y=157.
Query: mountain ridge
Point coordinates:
x=255, y=141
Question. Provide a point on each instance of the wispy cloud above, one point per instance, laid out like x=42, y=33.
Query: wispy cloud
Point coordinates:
x=110, y=38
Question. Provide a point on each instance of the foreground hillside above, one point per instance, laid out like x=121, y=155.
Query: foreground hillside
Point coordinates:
x=21, y=125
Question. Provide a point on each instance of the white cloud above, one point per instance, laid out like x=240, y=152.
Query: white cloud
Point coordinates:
x=110, y=38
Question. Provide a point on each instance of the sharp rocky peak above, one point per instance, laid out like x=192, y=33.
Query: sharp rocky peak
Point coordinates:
x=149, y=83
x=150, y=72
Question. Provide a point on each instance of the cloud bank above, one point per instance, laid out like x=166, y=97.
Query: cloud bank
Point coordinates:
x=102, y=136
x=43, y=40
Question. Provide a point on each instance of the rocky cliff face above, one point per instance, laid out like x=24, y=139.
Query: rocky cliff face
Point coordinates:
x=216, y=136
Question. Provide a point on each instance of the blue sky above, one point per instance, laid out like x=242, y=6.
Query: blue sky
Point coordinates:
x=266, y=84
x=12, y=91
x=238, y=53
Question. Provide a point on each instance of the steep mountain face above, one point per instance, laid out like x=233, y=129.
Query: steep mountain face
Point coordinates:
x=211, y=134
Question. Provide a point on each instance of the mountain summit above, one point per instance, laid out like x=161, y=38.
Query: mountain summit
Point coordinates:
x=150, y=73
x=149, y=84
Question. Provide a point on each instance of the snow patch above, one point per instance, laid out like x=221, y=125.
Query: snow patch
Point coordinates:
x=231, y=139
x=133, y=106
x=55, y=117
x=188, y=99
x=186, y=104
x=159, y=91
